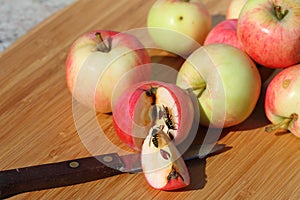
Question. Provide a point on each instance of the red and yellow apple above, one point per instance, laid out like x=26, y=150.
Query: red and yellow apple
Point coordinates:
x=178, y=26
x=225, y=32
x=226, y=82
x=162, y=164
x=269, y=31
x=150, y=103
x=97, y=60
x=282, y=101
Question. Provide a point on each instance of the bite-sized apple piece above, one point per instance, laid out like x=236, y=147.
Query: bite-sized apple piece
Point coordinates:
x=226, y=82
x=179, y=26
x=162, y=164
x=225, y=33
x=270, y=32
x=234, y=9
x=147, y=103
x=97, y=60
x=282, y=101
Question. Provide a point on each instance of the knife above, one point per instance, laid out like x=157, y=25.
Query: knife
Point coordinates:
x=46, y=176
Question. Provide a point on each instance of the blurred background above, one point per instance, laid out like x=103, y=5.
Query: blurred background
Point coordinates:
x=18, y=16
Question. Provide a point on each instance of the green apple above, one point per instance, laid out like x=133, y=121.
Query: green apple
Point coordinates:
x=226, y=82
x=179, y=26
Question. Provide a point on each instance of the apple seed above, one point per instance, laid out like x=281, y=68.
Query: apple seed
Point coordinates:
x=166, y=155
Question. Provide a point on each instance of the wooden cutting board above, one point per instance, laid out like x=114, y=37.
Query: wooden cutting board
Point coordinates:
x=37, y=124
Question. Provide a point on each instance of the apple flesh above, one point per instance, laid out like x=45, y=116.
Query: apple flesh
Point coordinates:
x=270, y=33
x=148, y=103
x=162, y=164
x=178, y=26
x=234, y=9
x=282, y=101
x=226, y=82
x=97, y=60
x=225, y=33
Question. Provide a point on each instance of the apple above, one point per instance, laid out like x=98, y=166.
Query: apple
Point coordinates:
x=162, y=164
x=270, y=32
x=178, y=26
x=224, y=32
x=282, y=101
x=234, y=9
x=97, y=60
x=226, y=82
x=149, y=103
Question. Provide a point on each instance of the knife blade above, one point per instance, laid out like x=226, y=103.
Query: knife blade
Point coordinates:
x=52, y=175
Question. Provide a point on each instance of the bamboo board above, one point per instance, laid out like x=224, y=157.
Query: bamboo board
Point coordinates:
x=37, y=124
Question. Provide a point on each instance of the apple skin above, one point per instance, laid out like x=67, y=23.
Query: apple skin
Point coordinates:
x=225, y=32
x=269, y=41
x=220, y=68
x=178, y=26
x=282, y=99
x=132, y=110
x=92, y=74
x=234, y=9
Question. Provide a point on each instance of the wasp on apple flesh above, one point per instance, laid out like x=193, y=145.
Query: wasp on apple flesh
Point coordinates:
x=174, y=174
x=151, y=92
x=169, y=121
x=156, y=132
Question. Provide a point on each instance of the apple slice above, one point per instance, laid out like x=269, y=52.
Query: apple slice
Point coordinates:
x=162, y=164
x=139, y=107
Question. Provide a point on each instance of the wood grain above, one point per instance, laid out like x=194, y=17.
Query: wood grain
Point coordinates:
x=37, y=124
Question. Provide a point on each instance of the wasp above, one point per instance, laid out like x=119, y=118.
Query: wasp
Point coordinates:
x=174, y=174
x=168, y=118
x=155, y=135
x=158, y=137
x=151, y=92
x=154, y=139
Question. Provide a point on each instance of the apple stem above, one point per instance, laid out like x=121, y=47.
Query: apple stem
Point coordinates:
x=283, y=124
x=278, y=12
x=186, y=0
x=102, y=46
x=199, y=89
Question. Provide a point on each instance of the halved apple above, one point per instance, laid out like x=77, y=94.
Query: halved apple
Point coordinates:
x=139, y=107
